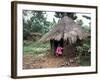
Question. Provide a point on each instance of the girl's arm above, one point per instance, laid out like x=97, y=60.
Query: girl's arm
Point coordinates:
x=61, y=48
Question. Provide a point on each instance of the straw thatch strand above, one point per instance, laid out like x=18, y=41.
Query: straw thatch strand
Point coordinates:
x=66, y=29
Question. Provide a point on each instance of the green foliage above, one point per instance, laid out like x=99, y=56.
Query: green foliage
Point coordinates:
x=80, y=22
x=87, y=28
x=35, y=48
x=26, y=28
x=62, y=14
x=36, y=23
x=83, y=54
x=84, y=47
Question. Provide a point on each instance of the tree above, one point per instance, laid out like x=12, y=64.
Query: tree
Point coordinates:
x=80, y=22
x=39, y=22
x=26, y=28
x=35, y=21
x=62, y=14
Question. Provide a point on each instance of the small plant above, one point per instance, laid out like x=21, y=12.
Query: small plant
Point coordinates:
x=83, y=51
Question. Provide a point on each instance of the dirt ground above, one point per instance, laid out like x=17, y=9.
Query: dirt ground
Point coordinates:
x=47, y=61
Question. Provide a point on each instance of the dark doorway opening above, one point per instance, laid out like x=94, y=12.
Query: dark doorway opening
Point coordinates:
x=55, y=43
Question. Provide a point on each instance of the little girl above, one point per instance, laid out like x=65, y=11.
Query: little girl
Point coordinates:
x=59, y=50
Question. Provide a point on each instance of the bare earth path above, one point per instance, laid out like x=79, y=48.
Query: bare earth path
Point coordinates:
x=47, y=61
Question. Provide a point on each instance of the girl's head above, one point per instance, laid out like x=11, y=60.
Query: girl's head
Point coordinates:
x=58, y=44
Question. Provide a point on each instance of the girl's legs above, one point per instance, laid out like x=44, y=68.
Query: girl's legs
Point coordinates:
x=57, y=54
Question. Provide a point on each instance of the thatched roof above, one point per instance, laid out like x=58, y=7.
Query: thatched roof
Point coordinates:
x=67, y=29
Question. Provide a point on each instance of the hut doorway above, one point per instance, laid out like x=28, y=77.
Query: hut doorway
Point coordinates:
x=68, y=49
x=55, y=44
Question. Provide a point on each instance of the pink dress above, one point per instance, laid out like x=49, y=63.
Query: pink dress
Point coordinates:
x=59, y=50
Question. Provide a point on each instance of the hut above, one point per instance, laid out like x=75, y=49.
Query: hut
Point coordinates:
x=66, y=32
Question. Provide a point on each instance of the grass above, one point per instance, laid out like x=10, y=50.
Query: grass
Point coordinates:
x=35, y=48
x=85, y=61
